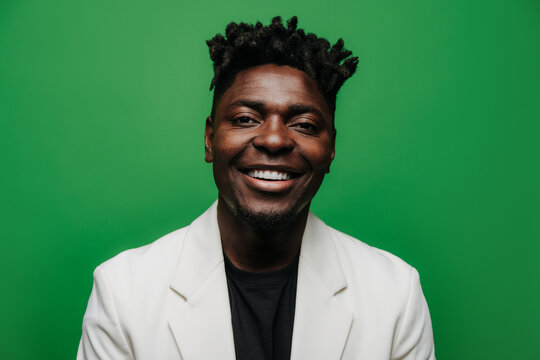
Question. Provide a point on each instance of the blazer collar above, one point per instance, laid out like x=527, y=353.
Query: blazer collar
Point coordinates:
x=201, y=324
x=319, y=252
x=202, y=253
x=321, y=323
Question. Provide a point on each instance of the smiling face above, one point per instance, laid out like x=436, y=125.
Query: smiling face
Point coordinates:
x=271, y=141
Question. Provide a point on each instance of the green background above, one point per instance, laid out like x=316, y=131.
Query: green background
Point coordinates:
x=102, y=108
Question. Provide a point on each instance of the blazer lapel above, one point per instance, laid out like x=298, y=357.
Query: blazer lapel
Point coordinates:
x=322, y=323
x=202, y=323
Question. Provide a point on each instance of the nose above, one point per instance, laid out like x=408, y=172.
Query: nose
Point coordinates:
x=274, y=137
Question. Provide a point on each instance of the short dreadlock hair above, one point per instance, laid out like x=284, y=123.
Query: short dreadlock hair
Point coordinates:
x=245, y=46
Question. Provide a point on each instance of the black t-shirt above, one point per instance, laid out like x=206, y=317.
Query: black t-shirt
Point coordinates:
x=262, y=309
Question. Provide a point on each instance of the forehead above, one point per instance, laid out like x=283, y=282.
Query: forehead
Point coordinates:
x=275, y=86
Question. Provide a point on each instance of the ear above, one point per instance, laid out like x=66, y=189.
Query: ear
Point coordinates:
x=209, y=140
x=333, y=154
x=333, y=151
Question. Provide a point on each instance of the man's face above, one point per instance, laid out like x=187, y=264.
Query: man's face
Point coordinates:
x=271, y=142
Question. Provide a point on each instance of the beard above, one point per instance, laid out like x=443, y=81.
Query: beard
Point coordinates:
x=266, y=220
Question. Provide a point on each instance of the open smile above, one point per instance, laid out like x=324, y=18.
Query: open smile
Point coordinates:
x=270, y=180
x=270, y=175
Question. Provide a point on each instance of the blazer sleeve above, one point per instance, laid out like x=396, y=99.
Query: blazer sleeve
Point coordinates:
x=102, y=337
x=414, y=339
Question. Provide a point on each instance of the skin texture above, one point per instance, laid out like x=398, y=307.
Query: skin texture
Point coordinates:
x=271, y=118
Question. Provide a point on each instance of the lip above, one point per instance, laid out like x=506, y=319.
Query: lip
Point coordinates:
x=282, y=168
x=273, y=186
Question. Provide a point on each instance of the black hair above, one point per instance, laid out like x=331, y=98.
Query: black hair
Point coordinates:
x=245, y=46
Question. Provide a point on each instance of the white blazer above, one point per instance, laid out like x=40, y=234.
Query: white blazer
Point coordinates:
x=169, y=300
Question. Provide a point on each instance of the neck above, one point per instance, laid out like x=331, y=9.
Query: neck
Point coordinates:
x=254, y=249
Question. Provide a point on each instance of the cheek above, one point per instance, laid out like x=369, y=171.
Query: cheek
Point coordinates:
x=227, y=147
x=320, y=155
x=224, y=146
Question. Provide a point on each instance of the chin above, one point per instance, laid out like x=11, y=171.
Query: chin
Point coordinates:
x=266, y=219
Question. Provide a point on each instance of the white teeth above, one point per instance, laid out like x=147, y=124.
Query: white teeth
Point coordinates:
x=269, y=175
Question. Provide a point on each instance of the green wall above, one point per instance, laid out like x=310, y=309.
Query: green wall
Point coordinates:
x=102, y=108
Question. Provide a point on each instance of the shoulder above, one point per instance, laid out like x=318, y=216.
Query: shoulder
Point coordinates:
x=351, y=248
x=155, y=262
x=372, y=269
x=131, y=298
x=385, y=293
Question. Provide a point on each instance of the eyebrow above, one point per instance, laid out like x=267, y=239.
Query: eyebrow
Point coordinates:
x=293, y=109
x=296, y=109
x=255, y=105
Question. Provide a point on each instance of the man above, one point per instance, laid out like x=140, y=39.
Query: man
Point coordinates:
x=258, y=276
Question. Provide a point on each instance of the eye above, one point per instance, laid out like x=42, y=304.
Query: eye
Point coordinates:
x=244, y=120
x=305, y=126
